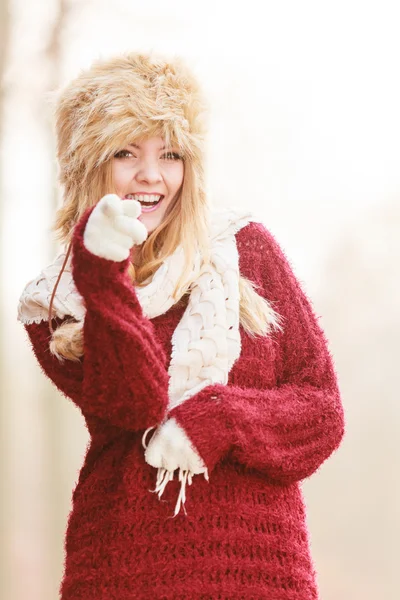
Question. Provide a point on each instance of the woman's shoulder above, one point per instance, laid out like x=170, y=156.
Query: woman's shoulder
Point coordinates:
x=261, y=257
x=252, y=236
x=256, y=237
x=256, y=240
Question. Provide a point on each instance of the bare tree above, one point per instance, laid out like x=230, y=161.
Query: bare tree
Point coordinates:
x=15, y=63
x=4, y=45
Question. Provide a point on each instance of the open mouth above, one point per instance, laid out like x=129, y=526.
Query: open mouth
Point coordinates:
x=147, y=205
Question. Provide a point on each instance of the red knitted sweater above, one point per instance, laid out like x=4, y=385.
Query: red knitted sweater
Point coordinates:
x=280, y=416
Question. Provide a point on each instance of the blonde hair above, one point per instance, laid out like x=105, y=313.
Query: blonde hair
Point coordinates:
x=117, y=101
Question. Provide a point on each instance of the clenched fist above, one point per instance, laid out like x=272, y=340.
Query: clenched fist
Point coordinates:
x=113, y=228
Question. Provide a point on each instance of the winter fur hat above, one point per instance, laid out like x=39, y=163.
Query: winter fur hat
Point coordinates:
x=117, y=101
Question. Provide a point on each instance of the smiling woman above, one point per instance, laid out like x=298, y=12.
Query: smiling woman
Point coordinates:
x=148, y=170
x=238, y=406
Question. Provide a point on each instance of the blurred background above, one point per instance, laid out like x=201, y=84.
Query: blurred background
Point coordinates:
x=305, y=130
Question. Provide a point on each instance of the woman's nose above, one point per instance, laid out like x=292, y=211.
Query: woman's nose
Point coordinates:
x=149, y=170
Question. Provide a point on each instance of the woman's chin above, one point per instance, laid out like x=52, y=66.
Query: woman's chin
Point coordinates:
x=149, y=222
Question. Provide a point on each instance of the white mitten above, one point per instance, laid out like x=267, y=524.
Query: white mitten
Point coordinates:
x=170, y=449
x=113, y=228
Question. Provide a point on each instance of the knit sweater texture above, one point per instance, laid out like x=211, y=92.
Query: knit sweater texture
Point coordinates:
x=277, y=420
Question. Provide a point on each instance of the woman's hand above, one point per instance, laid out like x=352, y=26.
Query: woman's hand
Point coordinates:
x=170, y=449
x=113, y=228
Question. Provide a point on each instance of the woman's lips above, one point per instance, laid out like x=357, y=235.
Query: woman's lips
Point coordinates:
x=148, y=209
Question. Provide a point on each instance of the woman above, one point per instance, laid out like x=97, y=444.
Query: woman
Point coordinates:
x=183, y=336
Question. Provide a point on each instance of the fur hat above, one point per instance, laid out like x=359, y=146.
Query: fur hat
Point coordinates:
x=122, y=99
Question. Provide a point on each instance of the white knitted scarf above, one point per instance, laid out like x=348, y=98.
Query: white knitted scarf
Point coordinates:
x=206, y=341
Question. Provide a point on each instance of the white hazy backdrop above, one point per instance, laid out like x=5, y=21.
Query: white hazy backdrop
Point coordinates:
x=305, y=130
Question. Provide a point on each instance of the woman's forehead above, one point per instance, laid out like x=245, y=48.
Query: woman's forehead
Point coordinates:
x=140, y=146
x=154, y=143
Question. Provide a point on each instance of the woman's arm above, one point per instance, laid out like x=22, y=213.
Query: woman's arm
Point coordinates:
x=127, y=408
x=122, y=377
x=287, y=431
x=67, y=376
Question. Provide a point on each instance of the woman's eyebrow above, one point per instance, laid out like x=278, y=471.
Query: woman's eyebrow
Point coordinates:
x=138, y=147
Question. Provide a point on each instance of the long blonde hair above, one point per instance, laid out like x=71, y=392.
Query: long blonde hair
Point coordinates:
x=183, y=223
x=128, y=98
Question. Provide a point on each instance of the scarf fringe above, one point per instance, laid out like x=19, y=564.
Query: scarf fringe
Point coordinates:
x=164, y=476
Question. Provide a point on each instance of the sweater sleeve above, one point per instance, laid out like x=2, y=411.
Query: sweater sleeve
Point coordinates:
x=289, y=430
x=122, y=377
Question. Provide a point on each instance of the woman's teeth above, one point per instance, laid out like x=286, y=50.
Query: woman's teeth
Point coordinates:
x=148, y=202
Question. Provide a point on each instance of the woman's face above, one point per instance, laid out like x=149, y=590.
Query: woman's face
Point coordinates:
x=149, y=170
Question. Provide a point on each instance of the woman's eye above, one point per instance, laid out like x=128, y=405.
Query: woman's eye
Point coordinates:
x=121, y=153
x=173, y=156
x=128, y=154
